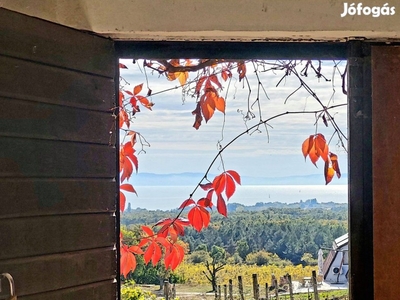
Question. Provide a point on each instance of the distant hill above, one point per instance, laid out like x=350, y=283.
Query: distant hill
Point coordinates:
x=308, y=204
x=176, y=179
x=237, y=207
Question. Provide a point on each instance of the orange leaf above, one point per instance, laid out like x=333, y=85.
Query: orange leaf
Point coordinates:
x=335, y=164
x=220, y=104
x=320, y=144
x=329, y=172
x=207, y=105
x=314, y=154
x=145, y=102
x=225, y=74
x=307, y=145
x=241, y=70
x=137, y=89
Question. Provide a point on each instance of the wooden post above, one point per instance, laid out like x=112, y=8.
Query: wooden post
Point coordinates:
x=314, y=283
x=173, y=291
x=276, y=289
x=230, y=290
x=240, y=287
x=219, y=292
x=225, y=292
x=289, y=278
x=266, y=291
x=256, y=293
x=166, y=289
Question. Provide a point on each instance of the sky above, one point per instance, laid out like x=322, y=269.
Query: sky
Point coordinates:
x=177, y=147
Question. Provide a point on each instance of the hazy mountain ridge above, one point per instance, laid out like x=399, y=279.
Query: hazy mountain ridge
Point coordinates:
x=237, y=207
x=308, y=204
x=188, y=178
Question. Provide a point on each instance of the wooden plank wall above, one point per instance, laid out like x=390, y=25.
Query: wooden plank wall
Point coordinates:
x=57, y=161
x=386, y=161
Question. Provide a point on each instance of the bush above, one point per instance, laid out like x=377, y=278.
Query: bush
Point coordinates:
x=131, y=292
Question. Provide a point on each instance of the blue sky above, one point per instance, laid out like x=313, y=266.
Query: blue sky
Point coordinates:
x=177, y=147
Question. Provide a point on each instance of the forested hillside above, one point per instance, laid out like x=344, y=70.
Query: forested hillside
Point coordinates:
x=289, y=232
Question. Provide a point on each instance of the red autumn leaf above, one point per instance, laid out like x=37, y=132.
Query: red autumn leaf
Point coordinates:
x=174, y=256
x=207, y=103
x=199, y=217
x=226, y=182
x=235, y=175
x=213, y=78
x=221, y=205
x=122, y=66
x=241, y=70
x=199, y=84
x=220, y=104
x=129, y=93
x=307, y=145
x=123, y=118
x=198, y=117
x=209, y=195
x=205, y=202
x=313, y=154
x=122, y=201
x=186, y=203
x=172, y=226
x=128, y=187
x=335, y=164
x=219, y=183
x=206, y=186
x=121, y=98
x=230, y=186
x=145, y=102
x=315, y=146
x=321, y=145
x=128, y=152
x=225, y=74
x=329, y=172
x=137, y=89
x=153, y=251
x=126, y=168
x=132, y=134
x=128, y=261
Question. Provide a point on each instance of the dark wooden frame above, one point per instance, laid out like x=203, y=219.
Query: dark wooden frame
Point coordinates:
x=360, y=133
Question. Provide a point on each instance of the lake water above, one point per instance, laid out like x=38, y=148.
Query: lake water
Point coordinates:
x=170, y=197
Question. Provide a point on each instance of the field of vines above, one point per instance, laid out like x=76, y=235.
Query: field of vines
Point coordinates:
x=193, y=273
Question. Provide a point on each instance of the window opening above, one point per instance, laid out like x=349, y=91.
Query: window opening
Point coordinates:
x=305, y=104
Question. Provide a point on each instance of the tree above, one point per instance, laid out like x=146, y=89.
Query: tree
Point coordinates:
x=309, y=260
x=214, y=265
x=243, y=248
x=160, y=241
